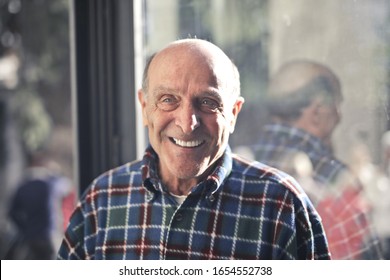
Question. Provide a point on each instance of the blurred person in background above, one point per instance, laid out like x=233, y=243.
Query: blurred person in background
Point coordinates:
x=39, y=209
x=304, y=105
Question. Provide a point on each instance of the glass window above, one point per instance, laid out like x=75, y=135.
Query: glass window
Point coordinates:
x=350, y=37
x=36, y=140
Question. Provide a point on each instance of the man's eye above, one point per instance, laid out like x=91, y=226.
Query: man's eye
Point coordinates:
x=167, y=103
x=167, y=100
x=209, y=105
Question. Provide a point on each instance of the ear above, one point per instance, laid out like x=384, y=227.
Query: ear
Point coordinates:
x=142, y=102
x=235, y=111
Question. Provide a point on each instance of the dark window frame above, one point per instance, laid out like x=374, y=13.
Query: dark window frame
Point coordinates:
x=103, y=95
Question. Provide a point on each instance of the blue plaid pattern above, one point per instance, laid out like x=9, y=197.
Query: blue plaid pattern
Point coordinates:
x=335, y=192
x=241, y=211
x=279, y=143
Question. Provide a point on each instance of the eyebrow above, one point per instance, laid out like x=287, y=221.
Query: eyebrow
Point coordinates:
x=213, y=93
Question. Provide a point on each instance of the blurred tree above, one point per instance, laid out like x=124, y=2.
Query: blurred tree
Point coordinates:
x=34, y=89
x=37, y=32
x=45, y=42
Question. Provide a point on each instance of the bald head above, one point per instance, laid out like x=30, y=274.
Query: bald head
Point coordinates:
x=297, y=83
x=196, y=53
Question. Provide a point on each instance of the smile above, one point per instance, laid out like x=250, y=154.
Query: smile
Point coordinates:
x=187, y=144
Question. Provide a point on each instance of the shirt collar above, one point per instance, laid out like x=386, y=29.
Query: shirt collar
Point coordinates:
x=209, y=186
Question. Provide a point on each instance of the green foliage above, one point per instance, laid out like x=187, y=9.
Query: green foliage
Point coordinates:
x=33, y=120
x=38, y=32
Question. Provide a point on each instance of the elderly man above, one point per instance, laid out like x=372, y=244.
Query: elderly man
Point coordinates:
x=304, y=104
x=190, y=197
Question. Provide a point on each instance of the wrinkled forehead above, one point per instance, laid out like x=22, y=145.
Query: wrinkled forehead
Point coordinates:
x=193, y=56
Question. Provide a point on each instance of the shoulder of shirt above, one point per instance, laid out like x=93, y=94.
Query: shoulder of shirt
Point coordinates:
x=116, y=176
x=123, y=170
x=255, y=170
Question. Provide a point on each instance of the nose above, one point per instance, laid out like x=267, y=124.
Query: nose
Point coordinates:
x=187, y=119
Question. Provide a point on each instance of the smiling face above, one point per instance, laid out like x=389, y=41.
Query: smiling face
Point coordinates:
x=190, y=110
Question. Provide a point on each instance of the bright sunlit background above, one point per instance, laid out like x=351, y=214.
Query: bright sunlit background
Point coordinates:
x=351, y=37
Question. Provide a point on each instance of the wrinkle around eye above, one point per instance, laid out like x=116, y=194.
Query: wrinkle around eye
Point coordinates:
x=210, y=106
x=167, y=103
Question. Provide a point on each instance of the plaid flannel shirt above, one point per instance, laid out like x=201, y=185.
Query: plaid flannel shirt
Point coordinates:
x=335, y=192
x=241, y=211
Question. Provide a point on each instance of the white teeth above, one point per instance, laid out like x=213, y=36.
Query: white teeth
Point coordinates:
x=187, y=144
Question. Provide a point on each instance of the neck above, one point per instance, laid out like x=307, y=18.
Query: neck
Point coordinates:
x=183, y=186
x=180, y=186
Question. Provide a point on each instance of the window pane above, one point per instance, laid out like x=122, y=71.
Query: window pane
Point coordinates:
x=350, y=37
x=35, y=119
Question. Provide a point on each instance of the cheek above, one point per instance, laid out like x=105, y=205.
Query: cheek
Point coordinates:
x=223, y=127
x=151, y=115
x=160, y=123
x=152, y=125
x=229, y=122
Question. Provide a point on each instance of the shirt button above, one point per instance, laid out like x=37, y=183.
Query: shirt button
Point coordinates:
x=149, y=197
x=211, y=198
x=179, y=217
